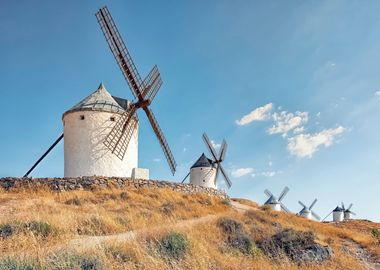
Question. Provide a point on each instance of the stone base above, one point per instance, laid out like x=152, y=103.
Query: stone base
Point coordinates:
x=140, y=173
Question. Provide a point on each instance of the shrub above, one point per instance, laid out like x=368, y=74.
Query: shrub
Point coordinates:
x=74, y=201
x=242, y=243
x=124, y=196
x=173, y=245
x=266, y=208
x=376, y=235
x=167, y=208
x=119, y=254
x=230, y=226
x=40, y=228
x=6, y=230
x=300, y=247
x=18, y=264
x=226, y=202
x=71, y=260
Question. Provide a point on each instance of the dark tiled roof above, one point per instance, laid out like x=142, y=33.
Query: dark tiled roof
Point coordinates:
x=203, y=161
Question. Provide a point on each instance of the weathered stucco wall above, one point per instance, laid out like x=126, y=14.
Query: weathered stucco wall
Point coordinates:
x=93, y=182
x=203, y=176
x=84, y=150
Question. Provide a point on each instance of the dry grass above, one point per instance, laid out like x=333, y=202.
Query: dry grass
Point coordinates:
x=102, y=212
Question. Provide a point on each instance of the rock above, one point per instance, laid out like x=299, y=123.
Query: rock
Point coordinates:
x=299, y=247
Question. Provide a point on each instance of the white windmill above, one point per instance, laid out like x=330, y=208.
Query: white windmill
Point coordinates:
x=338, y=214
x=347, y=212
x=276, y=203
x=100, y=132
x=205, y=171
x=307, y=212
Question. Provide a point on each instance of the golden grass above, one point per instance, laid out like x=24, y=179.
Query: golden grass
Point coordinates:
x=102, y=212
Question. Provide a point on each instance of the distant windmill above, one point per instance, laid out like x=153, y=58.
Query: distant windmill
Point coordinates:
x=307, y=212
x=205, y=171
x=276, y=203
x=347, y=212
x=340, y=213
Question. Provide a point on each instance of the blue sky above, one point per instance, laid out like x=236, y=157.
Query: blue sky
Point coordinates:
x=305, y=74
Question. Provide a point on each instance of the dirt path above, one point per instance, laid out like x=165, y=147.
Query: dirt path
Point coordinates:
x=364, y=256
x=87, y=242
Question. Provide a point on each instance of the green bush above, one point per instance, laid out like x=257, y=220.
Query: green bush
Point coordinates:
x=173, y=245
x=376, y=234
x=18, y=264
x=6, y=230
x=40, y=228
x=230, y=226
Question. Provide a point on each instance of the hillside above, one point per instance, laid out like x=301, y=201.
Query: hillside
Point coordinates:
x=142, y=228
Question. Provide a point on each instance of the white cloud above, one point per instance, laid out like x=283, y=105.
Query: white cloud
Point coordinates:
x=241, y=172
x=214, y=144
x=184, y=149
x=285, y=122
x=157, y=160
x=305, y=145
x=270, y=173
x=258, y=114
x=299, y=130
x=377, y=94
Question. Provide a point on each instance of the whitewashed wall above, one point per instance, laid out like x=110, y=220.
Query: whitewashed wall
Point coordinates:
x=203, y=176
x=84, y=150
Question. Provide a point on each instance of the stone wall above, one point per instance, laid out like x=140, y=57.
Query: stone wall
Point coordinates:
x=90, y=183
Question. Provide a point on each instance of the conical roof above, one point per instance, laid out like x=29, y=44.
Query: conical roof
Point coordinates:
x=203, y=161
x=99, y=100
x=272, y=200
x=338, y=209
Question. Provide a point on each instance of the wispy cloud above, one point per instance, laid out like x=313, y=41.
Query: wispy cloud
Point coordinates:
x=285, y=122
x=258, y=114
x=377, y=94
x=157, y=160
x=305, y=145
x=241, y=172
x=214, y=144
x=270, y=173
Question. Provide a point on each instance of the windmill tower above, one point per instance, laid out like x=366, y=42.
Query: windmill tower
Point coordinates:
x=86, y=126
x=205, y=171
x=347, y=213
x=338, y=214
x=276, y=203
x=307, y=212
x=101, y=132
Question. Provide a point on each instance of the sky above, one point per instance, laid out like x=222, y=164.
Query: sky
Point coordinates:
x=293, y=86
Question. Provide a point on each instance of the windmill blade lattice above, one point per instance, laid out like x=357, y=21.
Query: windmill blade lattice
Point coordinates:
x=145, y=91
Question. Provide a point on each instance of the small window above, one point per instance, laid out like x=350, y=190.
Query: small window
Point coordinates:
x=82, y=117
x=112, y=119
x=201, y=168
x=204, y=180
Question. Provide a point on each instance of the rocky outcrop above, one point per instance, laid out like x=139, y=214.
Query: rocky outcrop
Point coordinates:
x=299, y=247
x=94, y=182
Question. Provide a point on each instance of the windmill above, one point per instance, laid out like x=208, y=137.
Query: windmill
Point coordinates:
x=205, y=171
x=86, y=124
x=276, y=203
x=144, y=90
x=347, y=212
x=307, y=212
